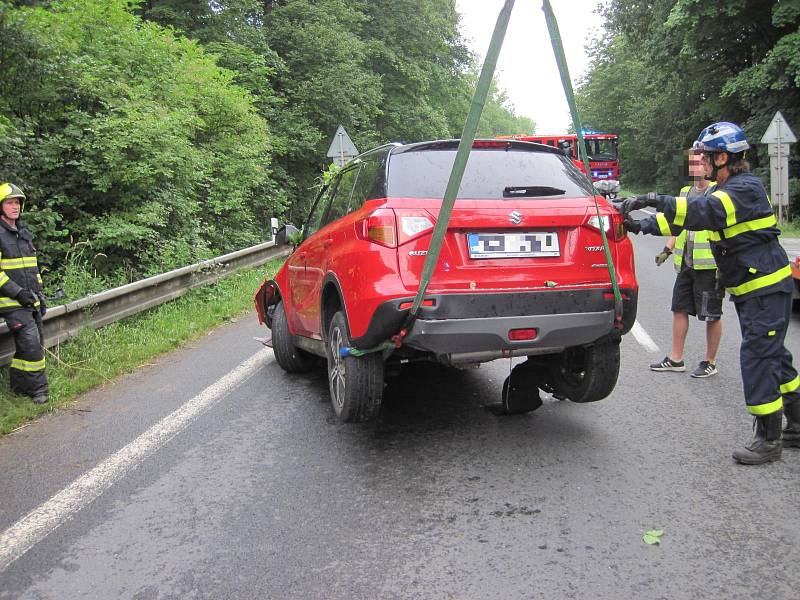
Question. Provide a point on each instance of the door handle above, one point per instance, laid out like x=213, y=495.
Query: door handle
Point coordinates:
x=303, y=254
x=328, y=242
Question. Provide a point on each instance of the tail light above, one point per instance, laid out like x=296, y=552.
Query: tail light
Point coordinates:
x=611, y=224
x=392, y=228
x=380, y=228
x=412, y=224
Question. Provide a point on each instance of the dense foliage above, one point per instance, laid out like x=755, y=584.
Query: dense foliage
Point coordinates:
x=667, y=68
x=149, y=134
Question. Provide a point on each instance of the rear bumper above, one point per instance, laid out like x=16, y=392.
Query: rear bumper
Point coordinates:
x=490, y=335
x=464, y=323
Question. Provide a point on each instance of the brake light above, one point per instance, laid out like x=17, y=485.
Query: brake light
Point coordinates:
x=516, y=335
x=379, y=228
x=412, y=224
x=489, y=144
x=611, y=224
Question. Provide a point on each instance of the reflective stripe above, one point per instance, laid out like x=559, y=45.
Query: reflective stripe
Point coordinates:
x=680, y=211
x=727, y=203
x=768, y=408
x=754, y=225
x=701, y=245
x=761, y=282
x=18, y=263
x=3, y=279
x=39, y=277
x=663, y=224
x=704, y=261
x=6, y=302
x=791, y=385
x=27, y=365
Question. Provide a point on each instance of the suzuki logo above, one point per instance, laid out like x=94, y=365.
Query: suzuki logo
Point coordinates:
x=515, y=218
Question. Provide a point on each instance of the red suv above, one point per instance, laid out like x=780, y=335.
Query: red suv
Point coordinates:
x=522, y=272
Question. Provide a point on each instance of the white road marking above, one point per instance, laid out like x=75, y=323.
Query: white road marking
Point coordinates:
x=40, y=522
x=644, y=338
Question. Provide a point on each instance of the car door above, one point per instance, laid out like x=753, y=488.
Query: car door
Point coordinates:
x=313, y=253
x=300, y=282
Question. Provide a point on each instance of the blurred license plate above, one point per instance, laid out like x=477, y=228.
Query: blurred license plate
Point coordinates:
x=513, y=245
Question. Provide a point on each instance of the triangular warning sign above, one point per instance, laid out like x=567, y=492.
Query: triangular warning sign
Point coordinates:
x=778, y=131
x=342, y=145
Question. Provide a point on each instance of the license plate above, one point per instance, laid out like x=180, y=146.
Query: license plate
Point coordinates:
x=513, y=245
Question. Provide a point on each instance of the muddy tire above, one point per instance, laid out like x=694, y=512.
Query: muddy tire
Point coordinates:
x=355, y=382
x=587, y=373
x=290, y=358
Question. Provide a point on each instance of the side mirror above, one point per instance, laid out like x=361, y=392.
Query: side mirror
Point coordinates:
x=288, y=234
x=609, y=188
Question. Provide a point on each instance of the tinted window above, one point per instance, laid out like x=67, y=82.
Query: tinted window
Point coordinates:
x=315, y=216
x=424, y=174
x=367, y=183
x=344, y=190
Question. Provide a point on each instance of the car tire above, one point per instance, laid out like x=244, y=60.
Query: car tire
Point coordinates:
x=288, y=356
x=355, y=382
x=588, y=373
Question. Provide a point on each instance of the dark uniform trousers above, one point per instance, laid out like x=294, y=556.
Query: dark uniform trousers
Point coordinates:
x=767, y=371
x=27, y=371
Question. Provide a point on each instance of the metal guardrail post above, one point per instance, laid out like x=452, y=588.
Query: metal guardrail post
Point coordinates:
x=96, y=310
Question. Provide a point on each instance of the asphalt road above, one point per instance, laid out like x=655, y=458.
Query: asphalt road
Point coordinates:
x=251, y=489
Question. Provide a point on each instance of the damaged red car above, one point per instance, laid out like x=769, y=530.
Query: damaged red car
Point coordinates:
x=522, y=272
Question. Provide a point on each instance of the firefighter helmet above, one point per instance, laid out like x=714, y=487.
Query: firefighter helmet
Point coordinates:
x=722, y=137
x=9, y=190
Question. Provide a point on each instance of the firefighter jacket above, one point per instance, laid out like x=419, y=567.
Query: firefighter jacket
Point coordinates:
x=19, y=268
x=743, y=232
x=702, y=258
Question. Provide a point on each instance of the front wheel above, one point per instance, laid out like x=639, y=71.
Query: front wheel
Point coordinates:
x=356, y=382
x=586, y=373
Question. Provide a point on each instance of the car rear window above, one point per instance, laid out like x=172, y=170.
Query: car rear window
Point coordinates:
x=490, y=173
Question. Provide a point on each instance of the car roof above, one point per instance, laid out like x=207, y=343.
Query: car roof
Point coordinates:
x=496, y=144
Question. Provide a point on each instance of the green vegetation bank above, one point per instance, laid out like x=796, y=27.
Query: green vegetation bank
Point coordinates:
x=152, y=134
x=664, y=69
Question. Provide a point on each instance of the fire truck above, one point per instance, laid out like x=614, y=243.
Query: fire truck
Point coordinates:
x=601, y=148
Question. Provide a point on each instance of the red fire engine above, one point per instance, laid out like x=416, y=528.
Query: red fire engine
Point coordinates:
x=601, y=148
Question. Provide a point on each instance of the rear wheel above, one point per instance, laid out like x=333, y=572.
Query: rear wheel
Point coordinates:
x=356, y=382
x=587, y=373
x=290, y=358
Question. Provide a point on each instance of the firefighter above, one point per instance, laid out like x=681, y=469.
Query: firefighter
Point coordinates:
x=22, y=302
x=755, y=271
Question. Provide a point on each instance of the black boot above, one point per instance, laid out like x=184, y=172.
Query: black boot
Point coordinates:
x=766, y=445
x=791, y=435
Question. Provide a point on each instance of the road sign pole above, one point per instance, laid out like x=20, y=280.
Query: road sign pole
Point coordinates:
x=779, y=133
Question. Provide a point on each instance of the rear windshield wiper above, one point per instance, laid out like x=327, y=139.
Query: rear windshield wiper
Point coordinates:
x=529, y=191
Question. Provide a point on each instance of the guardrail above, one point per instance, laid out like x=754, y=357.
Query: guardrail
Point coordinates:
x=63, y=322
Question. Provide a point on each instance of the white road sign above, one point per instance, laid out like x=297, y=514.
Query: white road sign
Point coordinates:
x=342, y=147
x=779, y=135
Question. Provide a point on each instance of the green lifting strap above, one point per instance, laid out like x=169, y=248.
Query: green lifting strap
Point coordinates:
x=558, y=50
x=453, y=184
x=462, y=155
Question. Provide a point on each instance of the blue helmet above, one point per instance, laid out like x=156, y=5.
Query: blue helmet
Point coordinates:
x=722, y=137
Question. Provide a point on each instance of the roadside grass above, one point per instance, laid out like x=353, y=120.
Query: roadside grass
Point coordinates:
x=95, y=357
x=791, y=228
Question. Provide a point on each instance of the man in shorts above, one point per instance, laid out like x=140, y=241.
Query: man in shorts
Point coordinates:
x=697, y=291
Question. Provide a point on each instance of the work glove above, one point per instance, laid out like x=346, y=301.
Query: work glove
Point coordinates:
x=42, y=304
x=662, y=256
x=26, y=298
x=638, y=202
x=631, y=225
